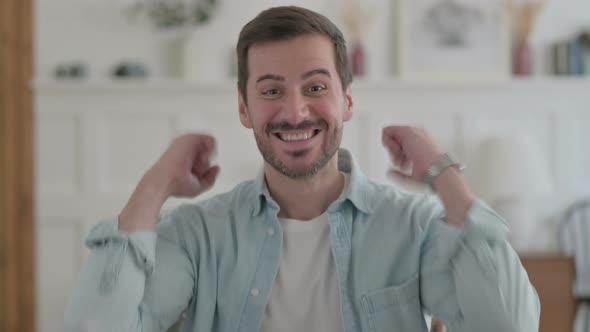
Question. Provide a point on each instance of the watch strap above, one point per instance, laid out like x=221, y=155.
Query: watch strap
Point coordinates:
x=445, y=161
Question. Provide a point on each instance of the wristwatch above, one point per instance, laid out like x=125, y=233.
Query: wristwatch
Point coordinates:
x=445, y=161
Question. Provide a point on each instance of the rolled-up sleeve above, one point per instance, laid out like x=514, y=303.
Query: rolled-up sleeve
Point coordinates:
x=472, y=279
x=124, y=275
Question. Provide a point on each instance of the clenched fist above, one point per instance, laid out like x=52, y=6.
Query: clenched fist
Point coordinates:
x=411, y=149
x=184, y=170
x=185, y=167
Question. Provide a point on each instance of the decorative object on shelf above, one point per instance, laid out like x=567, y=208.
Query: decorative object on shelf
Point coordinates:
x=167, y=14
x=130, y=69
x=576, y=66
x=512, y=173
x=356, y=18
x=524, y=15
x=73, y=70
x=522, y=58
x=584, y=42
x=178, y=22
x=358, y=59
x=453, y=40
x=204, y=58
x=561, y=58
x=572, y=57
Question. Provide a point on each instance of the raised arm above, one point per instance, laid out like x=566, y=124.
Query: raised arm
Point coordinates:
x=470, y=277
x=138, y=276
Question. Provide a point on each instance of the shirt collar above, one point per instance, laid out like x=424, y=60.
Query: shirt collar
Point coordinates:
x=356, y=192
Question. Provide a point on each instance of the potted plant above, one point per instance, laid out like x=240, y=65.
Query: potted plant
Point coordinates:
x=176, y=22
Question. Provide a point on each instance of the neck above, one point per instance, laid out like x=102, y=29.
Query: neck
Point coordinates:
x=306, y=198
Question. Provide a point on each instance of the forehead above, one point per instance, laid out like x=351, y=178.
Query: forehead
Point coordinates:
x=292, y=56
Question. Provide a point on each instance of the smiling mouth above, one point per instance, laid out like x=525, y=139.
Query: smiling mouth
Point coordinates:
x=297, y=136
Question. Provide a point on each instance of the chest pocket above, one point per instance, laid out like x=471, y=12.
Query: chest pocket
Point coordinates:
x=395, y=308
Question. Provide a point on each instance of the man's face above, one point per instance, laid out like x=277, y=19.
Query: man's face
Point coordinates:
x=296, y=106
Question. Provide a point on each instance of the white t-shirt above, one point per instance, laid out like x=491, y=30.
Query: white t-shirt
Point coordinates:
x=305, y=295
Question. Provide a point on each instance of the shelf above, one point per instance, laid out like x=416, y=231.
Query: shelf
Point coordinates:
x=131, y=85
x=154, y=85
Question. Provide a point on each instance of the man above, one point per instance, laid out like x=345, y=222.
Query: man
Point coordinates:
x=311, y=244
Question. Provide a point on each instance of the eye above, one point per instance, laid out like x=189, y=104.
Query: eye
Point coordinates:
x=316, y=89
x=271, y=92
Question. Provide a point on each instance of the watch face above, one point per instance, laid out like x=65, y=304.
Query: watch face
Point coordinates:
x=445, y=161
x=432, y=171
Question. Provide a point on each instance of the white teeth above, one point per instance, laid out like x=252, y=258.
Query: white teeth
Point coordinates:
x=296, y=137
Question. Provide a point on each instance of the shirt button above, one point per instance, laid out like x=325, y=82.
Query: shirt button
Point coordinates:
x=254, y=292
x=271, y=231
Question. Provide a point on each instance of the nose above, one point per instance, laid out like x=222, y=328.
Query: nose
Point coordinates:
x=296, y=108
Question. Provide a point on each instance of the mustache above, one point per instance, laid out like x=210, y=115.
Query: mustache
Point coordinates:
x=306, y=124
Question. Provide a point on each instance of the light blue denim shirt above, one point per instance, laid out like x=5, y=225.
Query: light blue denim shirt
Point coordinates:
x=214, y=262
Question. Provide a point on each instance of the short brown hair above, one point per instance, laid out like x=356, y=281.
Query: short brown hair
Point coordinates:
x=287, y=22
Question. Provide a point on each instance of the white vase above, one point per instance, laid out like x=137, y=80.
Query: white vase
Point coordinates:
x=196, y=54
x=204, y=58
x=172, y=49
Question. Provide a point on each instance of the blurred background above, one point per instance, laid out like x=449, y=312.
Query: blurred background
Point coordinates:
x=93, y=92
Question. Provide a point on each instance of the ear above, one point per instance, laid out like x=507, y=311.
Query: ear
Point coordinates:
x=349, y=103
x=243, y=110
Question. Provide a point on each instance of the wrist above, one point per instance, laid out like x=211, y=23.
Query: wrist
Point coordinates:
x=450, y=178
x=455, y=195
x=155, y=185
x=142, y=211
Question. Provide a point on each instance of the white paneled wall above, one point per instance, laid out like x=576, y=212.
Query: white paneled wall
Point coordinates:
x=98, y=34
x=95, y=140
x=58, y=260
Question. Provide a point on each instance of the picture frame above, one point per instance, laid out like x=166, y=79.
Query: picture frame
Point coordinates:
x=453, y=40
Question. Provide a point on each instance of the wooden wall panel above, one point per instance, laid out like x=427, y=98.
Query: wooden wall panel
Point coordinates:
x=17, y=312
x=553, y=278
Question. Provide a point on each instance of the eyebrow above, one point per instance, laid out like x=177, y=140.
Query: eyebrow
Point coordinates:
x=270, y=77
x=317, y=71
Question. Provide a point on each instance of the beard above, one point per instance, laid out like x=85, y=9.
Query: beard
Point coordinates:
x=329, y=147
